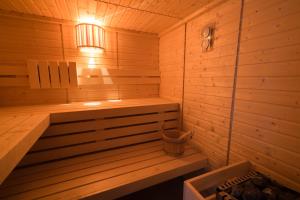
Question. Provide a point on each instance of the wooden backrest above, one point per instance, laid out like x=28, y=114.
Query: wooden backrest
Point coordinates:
x=76, y=133
x=53, y=74
x=43, y=74
x=40, y=74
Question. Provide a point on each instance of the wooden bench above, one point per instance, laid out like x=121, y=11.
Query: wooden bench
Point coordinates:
x=101, y=153
x=18, y=132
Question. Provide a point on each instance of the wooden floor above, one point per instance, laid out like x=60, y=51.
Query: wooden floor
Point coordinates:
x=110, y=174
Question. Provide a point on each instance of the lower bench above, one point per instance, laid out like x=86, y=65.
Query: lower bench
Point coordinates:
x=103, y=175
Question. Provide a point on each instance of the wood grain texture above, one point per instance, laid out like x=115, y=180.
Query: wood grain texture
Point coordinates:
x=130, y=129
x=138, y=15
x=44, y=74
x=123, y=56
x=194, y=188
x=208, y=77
x=33, y=74
x=207, y=92
x=64, y=75
x=266, y=116
x=17, y=135
x=105, y=175
x=171, y=64
x=266, y=122
x=54, y=74
x=22, y=127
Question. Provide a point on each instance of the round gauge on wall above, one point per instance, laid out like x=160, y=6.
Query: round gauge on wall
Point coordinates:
x=206, y=32
x=207, y=37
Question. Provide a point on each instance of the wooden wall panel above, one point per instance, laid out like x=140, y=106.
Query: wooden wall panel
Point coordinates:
x=22, y=40
x=266, y=121
x=171, y=63
x=266, y=106
x=208, y=90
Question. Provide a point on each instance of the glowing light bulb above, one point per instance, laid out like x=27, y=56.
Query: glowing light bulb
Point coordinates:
x=90, y=20
x=92, y=103
x=92, y=63
x=114, y=100
x=91, y=50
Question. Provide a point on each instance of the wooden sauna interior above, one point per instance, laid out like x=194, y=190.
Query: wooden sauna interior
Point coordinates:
x=86, y=122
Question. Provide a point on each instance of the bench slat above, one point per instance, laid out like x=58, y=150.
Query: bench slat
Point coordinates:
x=44, y=168
x=83, y=164
x=85, y=176
x=86, y=148
x=94, y=174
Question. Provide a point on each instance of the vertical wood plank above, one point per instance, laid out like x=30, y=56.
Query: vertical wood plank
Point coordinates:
x=73, y=74
x=54, y=74
x=44, y=74
x=64, y=74
x=33, y=74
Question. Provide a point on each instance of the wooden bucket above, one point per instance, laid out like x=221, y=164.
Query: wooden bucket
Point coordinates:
x=174, y=141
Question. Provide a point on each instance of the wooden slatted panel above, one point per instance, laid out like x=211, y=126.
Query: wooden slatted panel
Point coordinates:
x=87, y=126
x=54, y=74
x=44, y=74
x=73, y=74
x=33, y=73
x=64, y=75
x=90, y=171
x=147, y=163
x=100, y=130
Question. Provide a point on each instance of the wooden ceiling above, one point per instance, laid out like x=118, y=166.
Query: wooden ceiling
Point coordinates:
x=140, y=15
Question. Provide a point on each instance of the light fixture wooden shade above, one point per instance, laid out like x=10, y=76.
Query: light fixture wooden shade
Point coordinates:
x=89, y=35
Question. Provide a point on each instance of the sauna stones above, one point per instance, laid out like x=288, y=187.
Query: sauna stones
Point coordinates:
x=251, y=192
x=254, y=186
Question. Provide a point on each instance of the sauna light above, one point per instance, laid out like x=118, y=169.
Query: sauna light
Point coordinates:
x=91, y=50
x=92, y=63
x=114, y=100
x=89, y=37
x=92, y=103
x=90, y=20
